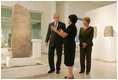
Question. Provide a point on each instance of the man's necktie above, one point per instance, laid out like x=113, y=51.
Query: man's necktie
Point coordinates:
x=55, y=25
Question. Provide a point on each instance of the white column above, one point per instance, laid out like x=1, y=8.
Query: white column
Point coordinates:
x=36, y=49
x=53, y=10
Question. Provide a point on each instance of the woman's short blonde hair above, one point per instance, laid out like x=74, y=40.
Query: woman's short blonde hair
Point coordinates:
x=87, y=19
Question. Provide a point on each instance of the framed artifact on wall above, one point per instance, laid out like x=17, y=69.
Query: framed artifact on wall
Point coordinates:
x=95, y=31
x=108, y=31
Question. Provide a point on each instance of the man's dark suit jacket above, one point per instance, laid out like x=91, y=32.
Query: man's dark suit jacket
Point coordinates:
x=53, y=37
x=86, y=36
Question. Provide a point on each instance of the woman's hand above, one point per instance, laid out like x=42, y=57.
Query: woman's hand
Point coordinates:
x=62, y=45
x=84, y=45
x=61, y=31
x=53, y=28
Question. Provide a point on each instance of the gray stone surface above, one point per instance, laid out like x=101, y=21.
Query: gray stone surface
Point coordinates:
x=21, y=32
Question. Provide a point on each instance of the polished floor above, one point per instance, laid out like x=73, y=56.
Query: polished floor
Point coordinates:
x=100, y=70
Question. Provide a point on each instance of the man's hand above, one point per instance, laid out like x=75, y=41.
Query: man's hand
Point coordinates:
x=62, y=45
x=46, y=44
x=84, y=45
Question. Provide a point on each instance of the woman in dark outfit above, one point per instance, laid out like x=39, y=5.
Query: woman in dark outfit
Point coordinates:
x=69, y=44
x=86, y=37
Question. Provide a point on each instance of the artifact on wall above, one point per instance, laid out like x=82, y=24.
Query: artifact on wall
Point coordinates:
x=95, y=31
x=21, y=32
x=108, y=31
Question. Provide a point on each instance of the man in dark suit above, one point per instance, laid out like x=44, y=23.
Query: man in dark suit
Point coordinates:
x=55, y=42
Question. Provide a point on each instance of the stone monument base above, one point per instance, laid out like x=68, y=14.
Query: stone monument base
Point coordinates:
x=14, y=62
x=24, y=71
x=22, y=67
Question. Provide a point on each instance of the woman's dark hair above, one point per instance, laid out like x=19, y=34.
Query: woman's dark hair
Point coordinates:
x=73, y=18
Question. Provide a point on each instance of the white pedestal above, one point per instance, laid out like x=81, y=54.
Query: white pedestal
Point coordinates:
x=20, y=72
x=22, y=67
x=4, y=53
x=12, y=62
x=36, y=52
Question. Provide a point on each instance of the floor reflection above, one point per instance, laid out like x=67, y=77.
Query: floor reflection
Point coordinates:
x=99, y=70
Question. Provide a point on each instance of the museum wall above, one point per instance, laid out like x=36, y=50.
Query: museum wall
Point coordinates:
x=60, y=9
x=104, y=48
x=47, y=10
x=63, y=9
x=80, y=8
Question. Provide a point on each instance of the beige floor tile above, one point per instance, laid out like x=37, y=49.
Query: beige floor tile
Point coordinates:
x=99, y=70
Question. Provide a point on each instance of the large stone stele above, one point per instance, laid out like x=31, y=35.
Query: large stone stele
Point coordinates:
x=21, y=32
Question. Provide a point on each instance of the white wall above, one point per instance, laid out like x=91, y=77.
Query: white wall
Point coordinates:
x=104, y=48
x=60, y=9
x=101, y=17
x=47, y=9
x=65, y=8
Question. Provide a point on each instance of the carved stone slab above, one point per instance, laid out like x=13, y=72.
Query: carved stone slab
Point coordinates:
x=21, y=32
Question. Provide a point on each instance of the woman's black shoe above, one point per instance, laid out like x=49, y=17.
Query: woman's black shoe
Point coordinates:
x=66, y=77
